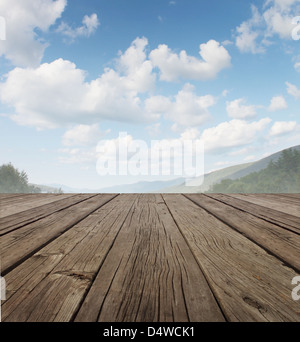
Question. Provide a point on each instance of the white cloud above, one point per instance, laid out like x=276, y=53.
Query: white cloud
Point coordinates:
x=57, y=93
x=82, y=135
x=89, y=26
x=238, y=110
x=225, y=92
x=283, y=4
x=190, y=134
x=187, y=109
x=279, y=22
x=22, y=46
x=248, y=33
x=297, y=66
x=277, y=103
x=138, y=70
x=283, y=127
x=173, y=66
x=293, y=90
x=232, y=134
x=276, y=19
x=77, y=155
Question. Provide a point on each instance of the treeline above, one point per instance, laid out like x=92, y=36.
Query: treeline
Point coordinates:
x=14, y=181
x=282, y=176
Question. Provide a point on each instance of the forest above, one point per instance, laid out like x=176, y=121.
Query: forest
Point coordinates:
x=14, y=181
x=281, y=176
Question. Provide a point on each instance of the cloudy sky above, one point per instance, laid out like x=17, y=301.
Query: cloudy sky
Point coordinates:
x=73, y=73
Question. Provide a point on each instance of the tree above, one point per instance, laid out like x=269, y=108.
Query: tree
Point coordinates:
x=14, y=181
x=279, y=176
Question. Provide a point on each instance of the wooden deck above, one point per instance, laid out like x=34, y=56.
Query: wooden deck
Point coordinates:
x=150, y=258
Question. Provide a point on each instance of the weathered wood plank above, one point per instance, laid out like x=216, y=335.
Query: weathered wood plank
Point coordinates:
x=283, y=243
x=276, y=203
x=24, y=202
x=150, y=274
x=50, y=285
x=249, y=283
x=279, y=218
x=22, y=243
x=12, y=222
x=292, y=195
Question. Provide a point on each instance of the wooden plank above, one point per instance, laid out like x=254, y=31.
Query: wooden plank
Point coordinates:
x=13, y=205
x=50, y=285
x=283, y=243
x=150, y=274
x=249, y=283
x=292, y=195
x=26, y=202
x=293, y=199
x=276, y=203
x=12, y=222
x=20, y=244
x=274, y=216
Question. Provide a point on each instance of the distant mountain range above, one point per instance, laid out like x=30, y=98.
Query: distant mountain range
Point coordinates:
x=140, y=187
x=177, y=185
x=233, y=172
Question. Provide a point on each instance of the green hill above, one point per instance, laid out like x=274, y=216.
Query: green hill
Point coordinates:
x=279, y=176
x=208, y=180
x=229, y=173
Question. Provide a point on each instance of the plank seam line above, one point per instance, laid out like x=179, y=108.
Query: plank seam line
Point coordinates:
x=42, y=205
x=46, y=215
x=99, y=269
x=20, y=261
x=252, y=214
x=284, y=262
x=198, y=262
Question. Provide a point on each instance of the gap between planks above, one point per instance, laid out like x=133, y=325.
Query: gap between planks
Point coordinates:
x=249, y=283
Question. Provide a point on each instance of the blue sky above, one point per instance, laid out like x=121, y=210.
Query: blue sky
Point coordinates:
x=73, y=73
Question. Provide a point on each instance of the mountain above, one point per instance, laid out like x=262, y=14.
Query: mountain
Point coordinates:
x=232, y=173
x=140, y=187
x=280, y=176
x=70, y=190
x=179, y=185
x=208, y=180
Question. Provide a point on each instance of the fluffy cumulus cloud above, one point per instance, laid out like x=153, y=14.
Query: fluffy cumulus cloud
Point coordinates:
x=232, y=134
x=277, y=103
x=275, y=20
x=173, y=66
x=237, y=109
x=186, y=109
x=283, y=128
x=57, y=93
x=138, y=70
x=22, y=46
x=88, y=27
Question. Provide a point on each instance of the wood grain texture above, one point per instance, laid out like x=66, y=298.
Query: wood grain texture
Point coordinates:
x=55, y=279
x=22, y=243
x=10, y=205
x=39, y=211
x=250, y=284
x=279, y=218
x=150, y=274
x=277, y=202
x=150, y=257
x=281, y=242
